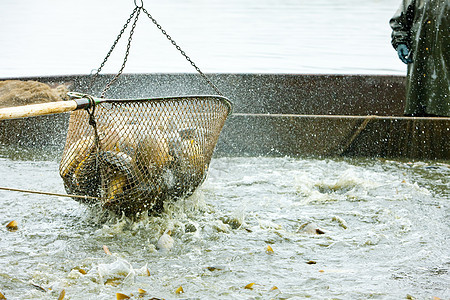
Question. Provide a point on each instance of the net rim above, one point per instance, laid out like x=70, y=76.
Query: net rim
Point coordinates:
x=226, y=101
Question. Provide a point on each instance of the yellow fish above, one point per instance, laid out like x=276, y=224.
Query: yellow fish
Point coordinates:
x=179, y=290
x=12, y=226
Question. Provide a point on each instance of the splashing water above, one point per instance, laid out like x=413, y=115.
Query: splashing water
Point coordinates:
x=384, y=225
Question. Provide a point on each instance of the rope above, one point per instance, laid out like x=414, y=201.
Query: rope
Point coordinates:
x=372, y=117
x=47, y=193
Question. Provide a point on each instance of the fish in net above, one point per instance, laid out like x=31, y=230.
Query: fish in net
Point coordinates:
x=131, y=155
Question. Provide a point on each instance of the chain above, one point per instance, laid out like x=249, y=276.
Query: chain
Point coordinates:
x=182, y=52
x=91, y=112
x=136, y=12
x=112, y=47
x=126, y=53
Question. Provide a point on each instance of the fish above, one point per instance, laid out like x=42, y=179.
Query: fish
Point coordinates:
x=269, y=250
x=249, y=286
x=179, y=290
x=189, y=165
x=62, y=295
x=133, y=168
x=12, y=226
x=75, y=153
x=39, y=288
x=217, y=268
x=120, y=296
x=78, y=169
x=116, y=186
x=87, y=177
x=82, y=271
x=341, y=221
x=113, y=281
x=153, y=153
x=106, y=249
x=124, y=189
x=142, y=292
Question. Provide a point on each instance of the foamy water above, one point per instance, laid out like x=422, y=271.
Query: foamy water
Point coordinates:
x=385, y=227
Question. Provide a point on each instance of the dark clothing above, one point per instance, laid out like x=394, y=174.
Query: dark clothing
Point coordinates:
x=424, y=27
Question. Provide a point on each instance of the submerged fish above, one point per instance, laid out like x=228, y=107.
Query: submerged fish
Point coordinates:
x=269, y=250
x=62, y=295
x=249, y=286
x=142, y=292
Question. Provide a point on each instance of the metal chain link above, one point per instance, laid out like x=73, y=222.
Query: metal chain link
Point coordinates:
x=182, y=52
x=112, y=47
x=91, y=112
x=126, y=53
x=137, y=11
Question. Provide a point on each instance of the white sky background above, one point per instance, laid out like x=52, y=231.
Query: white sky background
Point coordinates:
x=50, y=37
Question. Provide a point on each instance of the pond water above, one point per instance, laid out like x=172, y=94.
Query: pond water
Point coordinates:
x=385, y=226
x=234, y=36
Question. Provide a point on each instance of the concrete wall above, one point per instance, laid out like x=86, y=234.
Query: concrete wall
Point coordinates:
x=246, y=132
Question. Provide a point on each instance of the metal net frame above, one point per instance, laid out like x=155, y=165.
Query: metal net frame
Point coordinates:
x=131, y=155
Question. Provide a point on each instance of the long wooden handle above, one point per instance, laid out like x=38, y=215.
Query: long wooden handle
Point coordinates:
x=37, y=109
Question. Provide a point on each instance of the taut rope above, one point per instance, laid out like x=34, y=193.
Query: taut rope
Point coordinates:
x=47, y=193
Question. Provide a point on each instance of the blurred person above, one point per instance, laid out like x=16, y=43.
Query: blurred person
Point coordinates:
x=421, y=36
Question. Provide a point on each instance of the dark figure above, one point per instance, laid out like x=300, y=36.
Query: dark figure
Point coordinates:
x=421, y=36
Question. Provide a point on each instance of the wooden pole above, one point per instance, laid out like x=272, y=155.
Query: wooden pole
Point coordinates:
x=37, y=109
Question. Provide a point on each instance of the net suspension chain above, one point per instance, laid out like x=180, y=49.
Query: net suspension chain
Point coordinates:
x=126, y=53
x=135, y=14
x=172, y=41
x=94, y=77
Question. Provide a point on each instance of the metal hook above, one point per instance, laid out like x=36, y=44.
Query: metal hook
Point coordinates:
x=139, y=6
x=91, y=107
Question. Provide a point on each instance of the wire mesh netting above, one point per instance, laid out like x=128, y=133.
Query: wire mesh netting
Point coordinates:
x=142, y=152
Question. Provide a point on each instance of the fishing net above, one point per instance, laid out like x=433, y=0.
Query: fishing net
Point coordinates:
x=131, y=155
